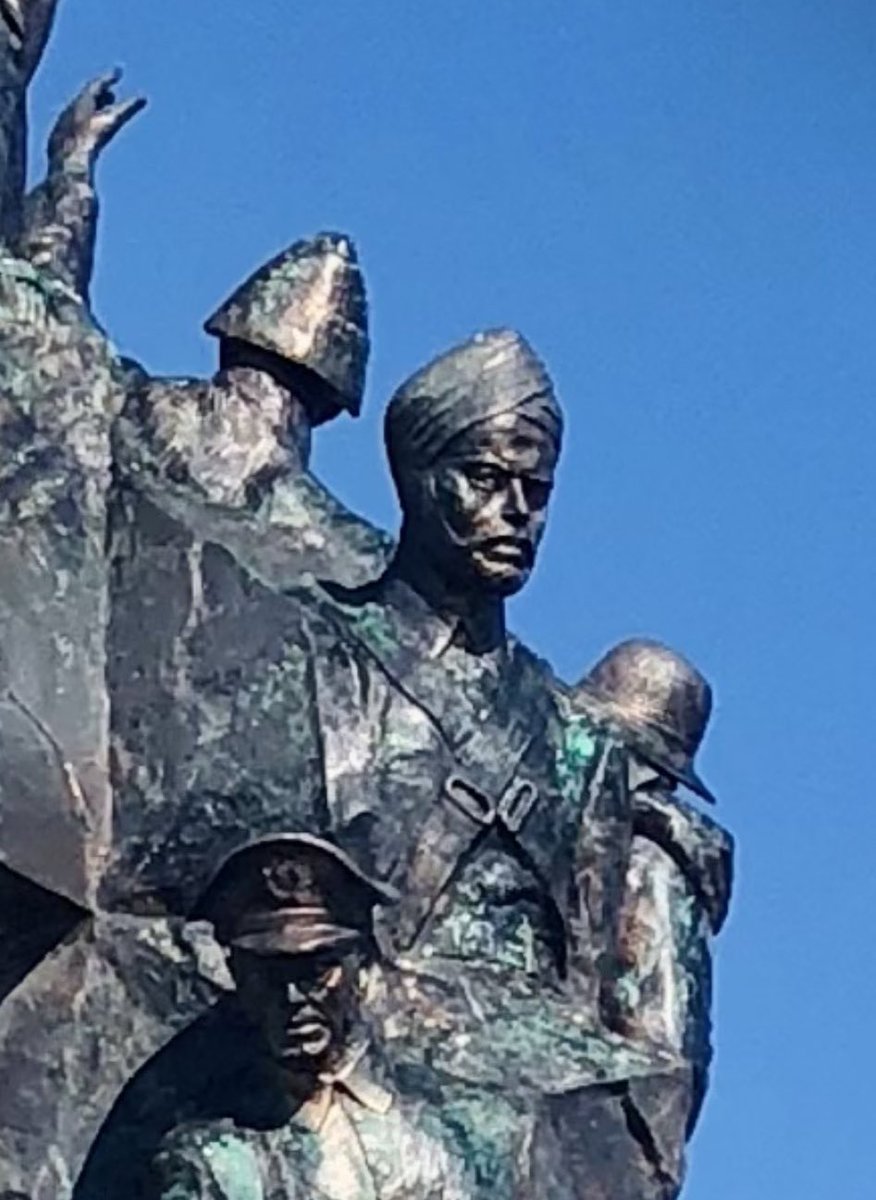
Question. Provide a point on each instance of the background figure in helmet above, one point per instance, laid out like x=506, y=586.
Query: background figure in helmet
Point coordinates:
x=228, y=458
x=680, y=872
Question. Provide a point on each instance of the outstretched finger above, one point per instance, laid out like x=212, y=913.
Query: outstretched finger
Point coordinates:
x=115, y=118
x=100, y=92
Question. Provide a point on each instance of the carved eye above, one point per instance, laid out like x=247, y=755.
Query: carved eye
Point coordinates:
x=483, y=476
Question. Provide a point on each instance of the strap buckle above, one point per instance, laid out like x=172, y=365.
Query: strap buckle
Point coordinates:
x=516, y=805
x=470, y=800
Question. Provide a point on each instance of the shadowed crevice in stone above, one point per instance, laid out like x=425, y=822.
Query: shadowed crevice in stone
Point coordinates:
x=33, y=921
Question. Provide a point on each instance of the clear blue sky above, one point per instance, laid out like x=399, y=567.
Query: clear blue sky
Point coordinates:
x=676, y=202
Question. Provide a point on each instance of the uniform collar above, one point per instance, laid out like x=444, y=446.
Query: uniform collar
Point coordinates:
x=425, y=631
x=355, y=1078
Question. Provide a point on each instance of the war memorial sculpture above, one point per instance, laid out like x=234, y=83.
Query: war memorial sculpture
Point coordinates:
x=314, y=880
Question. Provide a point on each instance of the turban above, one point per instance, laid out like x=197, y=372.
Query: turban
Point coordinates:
x=491, y=374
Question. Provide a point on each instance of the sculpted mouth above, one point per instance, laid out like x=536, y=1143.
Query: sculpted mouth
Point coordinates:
x=513, y=551
x=305, y=1037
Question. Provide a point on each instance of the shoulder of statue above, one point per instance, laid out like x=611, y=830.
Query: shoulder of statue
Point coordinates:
x=356, y=613
x=530, y=662
x=702, y=849
x=577, y=713
x=317, y=605
x=532, y=675
x=160, y=392
x=154, y=413
x=21, y=277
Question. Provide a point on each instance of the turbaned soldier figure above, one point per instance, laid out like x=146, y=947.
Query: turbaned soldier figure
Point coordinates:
x=402, y=720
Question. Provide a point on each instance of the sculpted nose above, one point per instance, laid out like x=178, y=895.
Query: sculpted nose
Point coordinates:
x=516, y=502
x=294, y=994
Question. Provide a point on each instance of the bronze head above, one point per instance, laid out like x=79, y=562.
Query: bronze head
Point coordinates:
x=473, y=441
x=296, y=914
x=660, y=700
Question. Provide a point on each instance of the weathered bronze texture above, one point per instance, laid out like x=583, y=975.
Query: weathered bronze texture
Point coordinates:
x=227, y=460
x=314, y=879
x=307, y=306
x=681, y=862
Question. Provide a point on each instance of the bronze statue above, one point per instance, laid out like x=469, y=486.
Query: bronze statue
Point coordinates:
x=311, y=1111
x=229, y=458
x=60, y=215
x=24, y=30
x=60, y=389
x=201, y=649
x=680, y=872
x=403, y=721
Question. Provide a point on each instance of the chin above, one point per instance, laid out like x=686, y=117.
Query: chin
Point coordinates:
x=505, y=582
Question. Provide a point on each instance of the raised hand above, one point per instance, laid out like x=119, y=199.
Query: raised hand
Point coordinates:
x=89, y=123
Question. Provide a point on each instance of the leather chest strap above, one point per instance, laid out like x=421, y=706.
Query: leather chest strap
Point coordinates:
x=461, y=817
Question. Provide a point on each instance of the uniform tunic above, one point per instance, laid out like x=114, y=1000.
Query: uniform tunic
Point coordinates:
x=353, y=1140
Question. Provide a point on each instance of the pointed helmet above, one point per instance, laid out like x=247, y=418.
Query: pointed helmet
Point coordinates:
x=307, y=305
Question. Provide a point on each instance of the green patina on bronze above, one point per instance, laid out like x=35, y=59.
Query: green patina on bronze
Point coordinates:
x=574, y=755
x=235, y=1166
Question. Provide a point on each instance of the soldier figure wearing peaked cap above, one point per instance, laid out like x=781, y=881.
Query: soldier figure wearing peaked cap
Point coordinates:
x=312, y=1111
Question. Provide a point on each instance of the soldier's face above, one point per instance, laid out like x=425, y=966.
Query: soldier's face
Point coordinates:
x=487, y=502
x=304, y=1004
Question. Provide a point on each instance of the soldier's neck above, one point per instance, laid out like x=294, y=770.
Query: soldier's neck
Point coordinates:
x=298, y=1082
x=481, y=615
x=284, y=409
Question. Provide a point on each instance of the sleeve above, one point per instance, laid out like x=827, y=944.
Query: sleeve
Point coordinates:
x=59, y=226
x=602, y=855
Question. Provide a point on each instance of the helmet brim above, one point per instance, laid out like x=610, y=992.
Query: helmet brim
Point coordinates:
x=686, y=776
